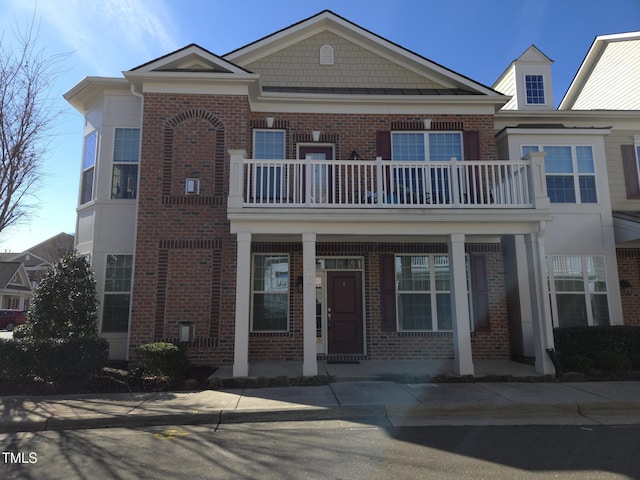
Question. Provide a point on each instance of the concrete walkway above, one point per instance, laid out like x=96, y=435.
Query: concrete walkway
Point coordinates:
x=368, y=402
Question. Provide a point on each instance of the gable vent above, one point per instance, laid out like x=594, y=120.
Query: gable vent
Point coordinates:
x=326, y=55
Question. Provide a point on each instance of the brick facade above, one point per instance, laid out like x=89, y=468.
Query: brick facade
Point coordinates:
x=186, y=256
x=629, y=270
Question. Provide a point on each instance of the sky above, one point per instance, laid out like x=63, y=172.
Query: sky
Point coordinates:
x=476, y=38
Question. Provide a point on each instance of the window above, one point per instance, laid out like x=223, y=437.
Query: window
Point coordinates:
x=534, y=88
x=419, y=146
x=117, y=293
x=88, y=165
x=423, y=293
x=268, y=145
x=126, y=151
x=570, y=173
x=578, y=290
x=270, y=293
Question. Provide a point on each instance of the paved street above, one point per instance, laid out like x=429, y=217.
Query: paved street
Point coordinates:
x=325, y=450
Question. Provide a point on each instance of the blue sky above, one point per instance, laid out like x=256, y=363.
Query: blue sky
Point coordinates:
x=477, y=38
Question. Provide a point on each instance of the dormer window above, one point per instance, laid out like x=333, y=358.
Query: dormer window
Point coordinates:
x=534, y=88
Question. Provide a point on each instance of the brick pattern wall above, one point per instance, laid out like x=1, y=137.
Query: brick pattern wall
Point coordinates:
x=380, y=344
x=186, y=257
x=629, y=269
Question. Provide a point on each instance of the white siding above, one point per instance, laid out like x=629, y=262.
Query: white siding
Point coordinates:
x=613, y=83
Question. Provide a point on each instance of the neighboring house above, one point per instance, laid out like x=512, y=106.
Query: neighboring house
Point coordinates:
x=15, y=287
x=21, y=282
x=325, y=193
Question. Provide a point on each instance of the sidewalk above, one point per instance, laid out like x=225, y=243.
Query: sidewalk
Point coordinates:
x=377, y=402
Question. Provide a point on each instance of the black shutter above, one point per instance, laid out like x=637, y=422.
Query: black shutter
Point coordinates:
x=388, y=293
x=383, y=144
x=630, y=165
x=471, y=144
x=480, y=293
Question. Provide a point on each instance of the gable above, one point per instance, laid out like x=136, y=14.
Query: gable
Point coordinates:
x=607, y=77
x=353, y=66
x=13, y=276
x=362, y=59
x=613, y=81
x=191, y=58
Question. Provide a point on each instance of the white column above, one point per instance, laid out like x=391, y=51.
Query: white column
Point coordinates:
x=243, y=300
x=463, y=360
x=540, y=307
x=524, y=295
x=236, y=178
x=310, y=362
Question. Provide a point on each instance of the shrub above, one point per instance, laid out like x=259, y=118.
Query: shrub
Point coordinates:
x=575, y=344
x=612, y=362
x=64, y=304
x=162, y=358
x=53, y=360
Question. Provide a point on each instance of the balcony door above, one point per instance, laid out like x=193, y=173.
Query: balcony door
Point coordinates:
x=321, y=173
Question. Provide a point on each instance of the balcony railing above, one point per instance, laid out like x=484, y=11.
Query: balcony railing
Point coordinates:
x=383, y=184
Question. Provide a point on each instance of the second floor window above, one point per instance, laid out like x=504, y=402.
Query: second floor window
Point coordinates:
x=88, y=167
x=126, y=152
x=534, y=88
x=570, y=173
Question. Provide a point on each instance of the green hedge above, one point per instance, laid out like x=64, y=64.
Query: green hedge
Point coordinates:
x=162, y=358
x=54, y=360
x=612, y=348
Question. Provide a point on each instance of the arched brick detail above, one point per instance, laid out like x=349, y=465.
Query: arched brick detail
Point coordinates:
x=168, y=146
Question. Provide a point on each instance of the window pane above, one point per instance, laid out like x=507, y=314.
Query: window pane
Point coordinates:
x=585, y=160
x=271, y=273
x=86, y=194
x=414, y=311
x=413, y=273
x=127, y=143
x=600, y=310
x=587, y=189
x=558, y=160
x=269, y=145
x=441, y=266
x=596, y=274
x=89, y=158
x=125, y=181
x=408, y=146
x=534, y=87
x=115, y=315
x=571, y=310
x=270, y=311
x=567, y=273
x=444, y=146
x=560, y=189
x=527, y=149
x=118, y=273
x=443, y=305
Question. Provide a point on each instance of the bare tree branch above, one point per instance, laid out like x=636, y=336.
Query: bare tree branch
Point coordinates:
x=26, y=117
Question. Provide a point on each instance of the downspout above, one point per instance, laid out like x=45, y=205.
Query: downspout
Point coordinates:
x=138, y=94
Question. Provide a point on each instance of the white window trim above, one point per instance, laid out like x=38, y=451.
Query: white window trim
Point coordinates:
x=575, y=173
x=92, y=167
x=114, y=163
x=426, y=141
x=524, y=88
x=585, y=283
x=433, y=294
x=271, y=130
x=253, y=291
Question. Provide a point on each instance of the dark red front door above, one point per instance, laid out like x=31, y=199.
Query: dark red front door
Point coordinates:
x=344, y=312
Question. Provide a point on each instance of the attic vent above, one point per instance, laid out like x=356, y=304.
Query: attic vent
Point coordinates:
x=326, y=55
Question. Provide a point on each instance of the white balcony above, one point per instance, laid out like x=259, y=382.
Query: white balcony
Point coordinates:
x=336, y=184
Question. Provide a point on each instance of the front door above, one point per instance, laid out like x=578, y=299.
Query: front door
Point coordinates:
x=321, y=174
x=344, y=312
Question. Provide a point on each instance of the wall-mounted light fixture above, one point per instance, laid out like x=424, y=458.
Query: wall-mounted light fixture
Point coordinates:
x=354, y=155
x=315, y=134
x=299, y=284
x=270, y=122
x=625, y=287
